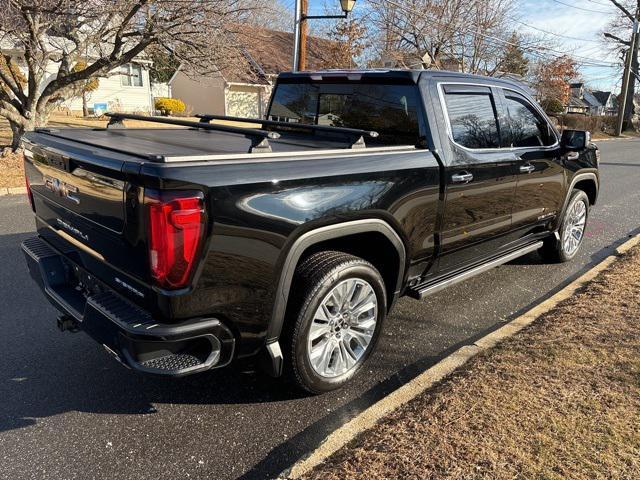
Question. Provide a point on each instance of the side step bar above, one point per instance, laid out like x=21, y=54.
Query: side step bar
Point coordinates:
x=420, y=291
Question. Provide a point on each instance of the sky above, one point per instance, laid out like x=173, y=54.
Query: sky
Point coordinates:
x=583, y=20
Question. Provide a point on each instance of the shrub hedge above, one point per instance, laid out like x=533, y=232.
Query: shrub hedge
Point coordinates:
x=168, y=106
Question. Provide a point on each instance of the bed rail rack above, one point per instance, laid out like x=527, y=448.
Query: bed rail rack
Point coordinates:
x=355, y=135
x=259, y=137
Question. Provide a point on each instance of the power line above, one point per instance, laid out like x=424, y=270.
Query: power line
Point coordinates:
x=580, y=8
x=598, y=3
x=558, y=54
x=555, y=34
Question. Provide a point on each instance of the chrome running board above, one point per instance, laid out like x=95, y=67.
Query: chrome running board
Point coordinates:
x=422, y=290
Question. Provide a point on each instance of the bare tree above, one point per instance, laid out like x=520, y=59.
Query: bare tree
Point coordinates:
x=618, y=34
x=479, y=47
x=47, y=39
x=270, y=14
x=419, y=32
x=429, y=33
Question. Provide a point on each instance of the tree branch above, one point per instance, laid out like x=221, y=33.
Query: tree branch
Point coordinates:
x=618, y=39
x=622, y=8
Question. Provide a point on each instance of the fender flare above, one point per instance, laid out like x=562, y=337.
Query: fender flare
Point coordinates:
x=577, y=178
x=318, y=235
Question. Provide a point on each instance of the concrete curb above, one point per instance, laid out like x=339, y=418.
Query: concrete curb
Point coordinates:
x=12, y=191
x=613, y=139
x=376, y=412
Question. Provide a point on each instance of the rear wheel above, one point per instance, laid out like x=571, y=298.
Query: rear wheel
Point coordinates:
x=338, y=308
x=571, y=231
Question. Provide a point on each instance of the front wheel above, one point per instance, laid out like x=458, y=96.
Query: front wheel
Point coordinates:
x=338, y=308
x=571, y=231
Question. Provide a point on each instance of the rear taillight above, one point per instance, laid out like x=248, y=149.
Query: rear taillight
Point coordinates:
x=176, y=226
x=29, y=192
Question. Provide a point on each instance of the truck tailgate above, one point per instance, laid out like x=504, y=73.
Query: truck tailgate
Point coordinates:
x=96, y=194
x=89, y=200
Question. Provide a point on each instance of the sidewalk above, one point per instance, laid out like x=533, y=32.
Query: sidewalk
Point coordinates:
x=559, y=400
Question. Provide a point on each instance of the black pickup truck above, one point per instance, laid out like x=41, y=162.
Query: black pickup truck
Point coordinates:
x=289, y=238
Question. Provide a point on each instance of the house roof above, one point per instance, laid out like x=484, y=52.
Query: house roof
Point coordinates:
x=270, y=52
x=577, y=102
x=591, y=99
x=603, y=97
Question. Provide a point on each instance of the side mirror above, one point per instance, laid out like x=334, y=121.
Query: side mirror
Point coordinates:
x=575, y=139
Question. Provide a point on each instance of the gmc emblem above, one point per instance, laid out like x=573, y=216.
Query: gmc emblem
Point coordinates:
x=62, y=189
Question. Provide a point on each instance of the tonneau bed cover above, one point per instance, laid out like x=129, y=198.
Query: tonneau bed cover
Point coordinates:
x=161, y=144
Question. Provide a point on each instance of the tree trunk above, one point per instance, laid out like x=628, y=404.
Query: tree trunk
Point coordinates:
x=85, y=107
x=17, y=131
x=29, y=122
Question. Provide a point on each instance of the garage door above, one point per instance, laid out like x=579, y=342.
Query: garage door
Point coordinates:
x=243, y=104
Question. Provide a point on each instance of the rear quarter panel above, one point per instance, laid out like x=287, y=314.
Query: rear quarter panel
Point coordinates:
x=255, y=220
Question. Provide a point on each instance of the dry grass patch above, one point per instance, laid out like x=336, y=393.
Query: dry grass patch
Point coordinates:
x=11, y=170
x=560, y=400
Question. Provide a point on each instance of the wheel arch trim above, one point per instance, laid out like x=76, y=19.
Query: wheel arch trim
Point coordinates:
x=577, y=178
x=321, y=234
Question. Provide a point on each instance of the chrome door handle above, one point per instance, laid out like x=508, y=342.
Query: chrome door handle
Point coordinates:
x=528, y=168
x=462, y=177
x=571, y=156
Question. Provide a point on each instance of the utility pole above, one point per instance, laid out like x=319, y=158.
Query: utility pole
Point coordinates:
x=633, y=47
x=301, y=29
x=300, y=35
x=304, y=35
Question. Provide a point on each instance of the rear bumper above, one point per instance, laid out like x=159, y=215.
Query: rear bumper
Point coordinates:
x=124, y=329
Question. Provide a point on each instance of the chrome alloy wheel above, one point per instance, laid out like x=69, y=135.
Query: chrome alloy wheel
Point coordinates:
x=342, y=327
x=574, y=227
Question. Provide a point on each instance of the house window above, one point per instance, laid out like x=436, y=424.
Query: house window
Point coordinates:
x=131, y=75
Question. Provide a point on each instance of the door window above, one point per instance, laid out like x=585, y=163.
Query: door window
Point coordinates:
x=473, y=119
x=528, y=127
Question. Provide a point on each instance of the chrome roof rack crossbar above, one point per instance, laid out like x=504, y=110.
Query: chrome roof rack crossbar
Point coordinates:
x=356, y=134
x=259, y=137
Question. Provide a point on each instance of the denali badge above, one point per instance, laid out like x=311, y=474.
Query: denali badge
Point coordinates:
x=62, y=189
x=72, y=229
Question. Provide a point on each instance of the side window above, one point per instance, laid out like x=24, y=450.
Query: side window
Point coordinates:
x=528, y=127
x=473, y=119
x=131, y=75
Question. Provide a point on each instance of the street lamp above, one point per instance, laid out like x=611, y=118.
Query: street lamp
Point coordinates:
x=347, y=5
x=300, y=31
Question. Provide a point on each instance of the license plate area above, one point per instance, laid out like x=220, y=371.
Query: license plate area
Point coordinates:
x=81, y=281
x=77, y=288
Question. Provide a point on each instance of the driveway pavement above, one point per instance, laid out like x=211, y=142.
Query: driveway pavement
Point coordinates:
x=68, y=411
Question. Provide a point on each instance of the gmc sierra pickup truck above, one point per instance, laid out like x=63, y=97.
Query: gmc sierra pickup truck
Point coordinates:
x=289, y=239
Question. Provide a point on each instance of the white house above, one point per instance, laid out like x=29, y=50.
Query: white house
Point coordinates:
x=126, y=89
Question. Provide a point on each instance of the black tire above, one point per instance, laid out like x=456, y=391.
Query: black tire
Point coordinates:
x=315, y=278
x=554, y=250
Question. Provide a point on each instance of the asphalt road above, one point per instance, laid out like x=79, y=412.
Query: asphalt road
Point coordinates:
x=68, y=411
